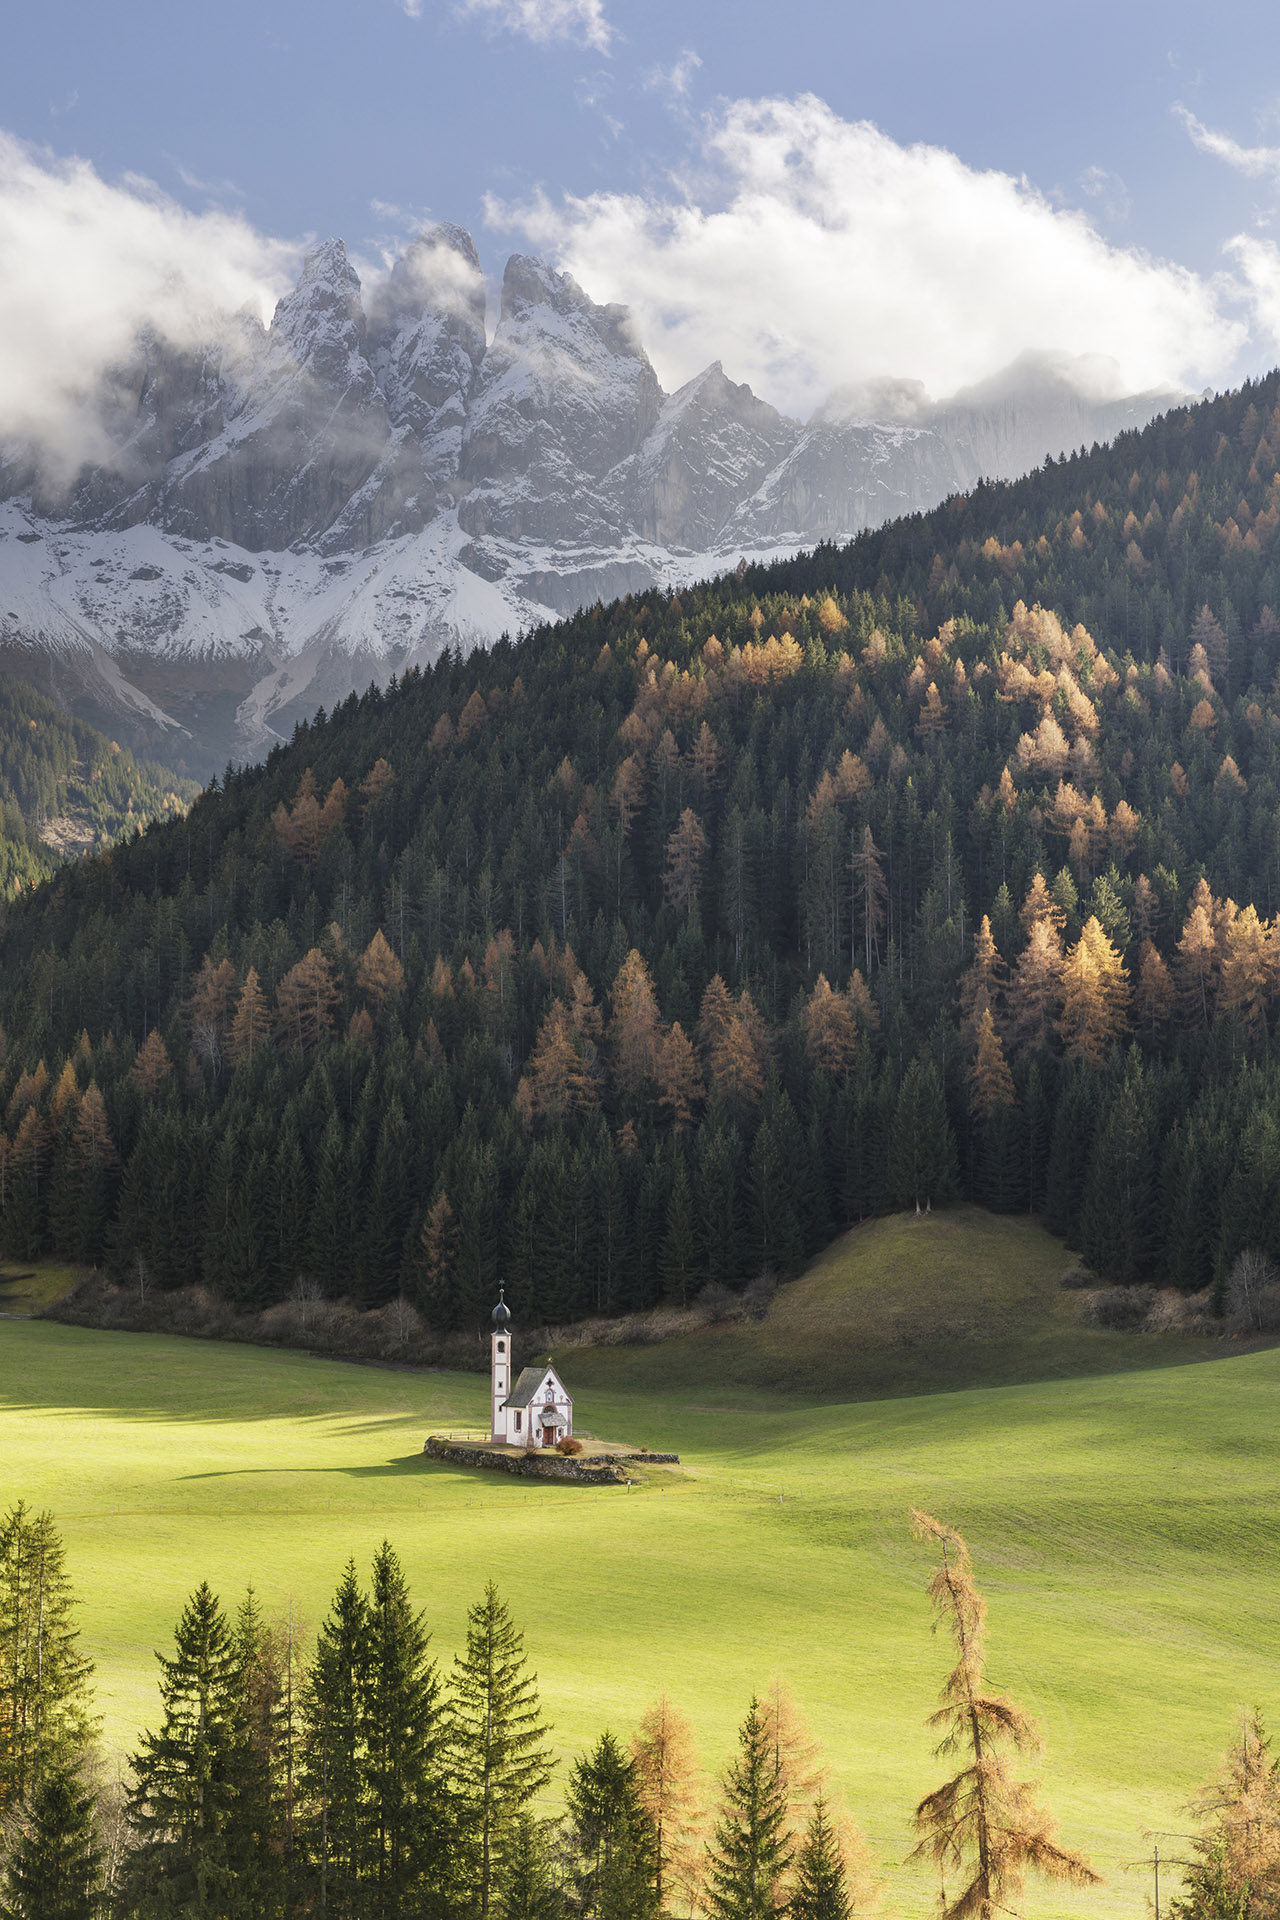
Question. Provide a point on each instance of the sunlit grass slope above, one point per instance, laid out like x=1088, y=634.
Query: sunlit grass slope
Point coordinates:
x=1125, y=1529
x=902, y=1305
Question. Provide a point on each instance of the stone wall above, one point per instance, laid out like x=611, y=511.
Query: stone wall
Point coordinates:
x=606, y=1469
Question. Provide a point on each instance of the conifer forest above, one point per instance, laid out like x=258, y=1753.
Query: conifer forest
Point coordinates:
x=652, y=949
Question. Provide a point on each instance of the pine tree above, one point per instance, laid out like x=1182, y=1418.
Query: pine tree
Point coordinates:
x=55, y=1869
x=820, y=1890
x=982, y=1824
x=750, y=1854
x=500, y=1752
x=46, y=1717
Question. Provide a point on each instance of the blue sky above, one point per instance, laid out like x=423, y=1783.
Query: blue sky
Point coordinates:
x=589, y=130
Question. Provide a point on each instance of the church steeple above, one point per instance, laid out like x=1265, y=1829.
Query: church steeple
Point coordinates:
x=500, y=1366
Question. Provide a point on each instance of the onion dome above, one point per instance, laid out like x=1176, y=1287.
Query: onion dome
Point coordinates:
x=502, y=1313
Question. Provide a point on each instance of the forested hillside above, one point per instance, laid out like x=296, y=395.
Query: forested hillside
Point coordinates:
x=651, y=949
x=65, y=788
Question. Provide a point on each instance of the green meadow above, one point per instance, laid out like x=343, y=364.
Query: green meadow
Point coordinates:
x=1124, y=1523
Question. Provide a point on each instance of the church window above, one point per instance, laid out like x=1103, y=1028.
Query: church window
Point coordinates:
x=518, y=1417
x=502, y=1346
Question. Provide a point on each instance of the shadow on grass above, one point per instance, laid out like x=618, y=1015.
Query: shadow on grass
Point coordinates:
x=384, y=1470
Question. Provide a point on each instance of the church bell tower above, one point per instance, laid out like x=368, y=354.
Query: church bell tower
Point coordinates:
x=500, y=1365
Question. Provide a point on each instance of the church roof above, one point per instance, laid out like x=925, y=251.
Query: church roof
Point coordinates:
x=531, y=1378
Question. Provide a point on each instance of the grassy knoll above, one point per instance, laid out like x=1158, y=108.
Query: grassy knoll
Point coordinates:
x=1124, y=1528
x=27, y=1286
x=904, y=1305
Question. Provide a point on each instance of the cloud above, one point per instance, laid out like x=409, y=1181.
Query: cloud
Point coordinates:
x=1258, y=163
x=582, y=21
x=812, y=252
x=84, y=265
x=677, y=78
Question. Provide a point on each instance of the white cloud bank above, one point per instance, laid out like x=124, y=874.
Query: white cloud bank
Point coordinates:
x=814, y=252
x=581, y=21
x=85, y=264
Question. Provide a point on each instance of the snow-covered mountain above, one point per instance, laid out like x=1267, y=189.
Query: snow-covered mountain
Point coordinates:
x=302, y=508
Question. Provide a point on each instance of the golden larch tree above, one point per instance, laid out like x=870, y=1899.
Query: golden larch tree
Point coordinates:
x=664, y=1756
x=983, y=1827
x=830, y=1030
x=1035, y=993
x=153, y=1066
x=1095, y=997
x=305, y=1001
x=1248, y=981
x=990, y=1081
x=686, y=851
x=379, y=973
x=251, y=1023
x=678, y=1077
x=635, y=1027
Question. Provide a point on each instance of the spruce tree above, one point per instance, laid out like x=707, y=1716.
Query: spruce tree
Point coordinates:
x=55, y=1869
x=614, y=1837
x=820, y=1891
x=409, y=1808
x=331, y=1782
x=46, y=1717
x=499, y=1742
x=185, y=1803
x=531, y=1888
x=750, y=1854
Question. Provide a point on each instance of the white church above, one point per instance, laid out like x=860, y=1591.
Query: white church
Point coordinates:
x=538, y=1412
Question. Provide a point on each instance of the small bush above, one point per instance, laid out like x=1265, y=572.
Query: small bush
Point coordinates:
x=1077, y=1277
x=568, y=1445
x=1121, y=1308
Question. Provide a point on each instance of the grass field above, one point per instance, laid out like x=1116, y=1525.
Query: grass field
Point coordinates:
x=1124, y=1527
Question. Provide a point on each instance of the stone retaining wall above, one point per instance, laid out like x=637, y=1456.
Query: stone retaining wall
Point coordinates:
x=604, y=1470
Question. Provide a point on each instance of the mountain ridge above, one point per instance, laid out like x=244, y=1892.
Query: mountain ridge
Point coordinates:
x=300, y=509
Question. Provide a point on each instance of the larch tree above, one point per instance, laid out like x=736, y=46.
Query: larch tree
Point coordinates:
x=500, y=1753
x=990, y=1081
x=664, y=1756
x=634, y=1026
x=1095, y=997
x=686, y=851
x=830, y=1030
x=983, y=1827
x=1236, y=1871
x=870, y=899
x=251, y=1023
x=678, y=1077
x=1035, y=993
x=305, y=1001
x=983, y=982
x=379, y=973
x=1248, y=981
